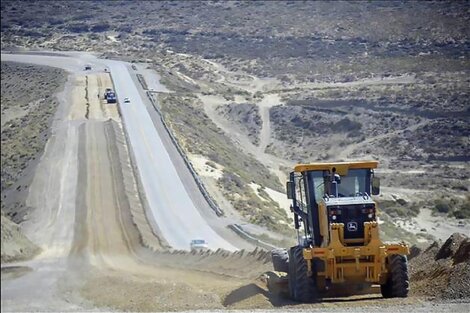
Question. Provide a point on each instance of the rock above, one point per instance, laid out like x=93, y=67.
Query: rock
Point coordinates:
x=414, y=252
x=450, y=247
x=463, y=252
x=442, y=272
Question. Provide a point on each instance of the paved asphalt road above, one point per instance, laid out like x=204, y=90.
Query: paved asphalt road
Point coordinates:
x=177, y=217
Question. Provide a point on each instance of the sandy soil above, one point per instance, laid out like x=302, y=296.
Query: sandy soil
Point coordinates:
x=275, y=195
x=438, y=226
x=204, y=168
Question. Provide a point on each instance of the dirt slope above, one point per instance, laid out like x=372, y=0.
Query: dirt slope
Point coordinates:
x=15, y=245
x=28, y=105
x=443, y=272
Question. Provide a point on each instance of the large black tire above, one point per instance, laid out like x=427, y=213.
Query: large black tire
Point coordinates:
x=398, y=283
x=301, y=287
x=280, y=259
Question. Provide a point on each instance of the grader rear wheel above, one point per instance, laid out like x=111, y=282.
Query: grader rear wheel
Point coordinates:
x=302, y=288
x=280, y=259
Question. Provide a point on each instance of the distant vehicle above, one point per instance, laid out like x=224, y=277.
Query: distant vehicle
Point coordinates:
x=199, y=245
x=87, y=67
x=110, y=97
x=461, y=224
x=126, y=100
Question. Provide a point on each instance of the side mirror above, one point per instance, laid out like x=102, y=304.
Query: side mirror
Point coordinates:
x=375, y=186
x=290, y=190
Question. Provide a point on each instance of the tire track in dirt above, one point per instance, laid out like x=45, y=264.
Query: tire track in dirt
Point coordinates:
x=87, y=113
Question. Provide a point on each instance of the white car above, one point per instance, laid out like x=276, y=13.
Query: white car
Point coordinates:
x=126, y=100
x=198, y=245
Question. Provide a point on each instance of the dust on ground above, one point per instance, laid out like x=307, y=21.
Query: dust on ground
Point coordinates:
x=15, y=245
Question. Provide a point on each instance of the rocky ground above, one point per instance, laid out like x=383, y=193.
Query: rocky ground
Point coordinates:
x=442, y=271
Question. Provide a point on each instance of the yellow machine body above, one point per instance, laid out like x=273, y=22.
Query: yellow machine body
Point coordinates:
x=338, y=260
x=356, y=264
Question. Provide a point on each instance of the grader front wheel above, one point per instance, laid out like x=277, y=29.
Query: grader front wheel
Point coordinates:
x=397, y=285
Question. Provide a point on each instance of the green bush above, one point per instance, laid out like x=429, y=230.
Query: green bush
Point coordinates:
x=442, y=206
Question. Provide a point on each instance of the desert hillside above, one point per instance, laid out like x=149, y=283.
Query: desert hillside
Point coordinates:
x=172, y=197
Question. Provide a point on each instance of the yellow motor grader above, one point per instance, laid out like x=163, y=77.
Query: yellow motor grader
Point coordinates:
x=340, y=245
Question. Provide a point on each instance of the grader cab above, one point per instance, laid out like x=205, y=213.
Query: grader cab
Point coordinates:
x=340, y=245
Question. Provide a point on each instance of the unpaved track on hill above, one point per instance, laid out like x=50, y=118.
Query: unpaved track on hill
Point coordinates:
x=242, y=141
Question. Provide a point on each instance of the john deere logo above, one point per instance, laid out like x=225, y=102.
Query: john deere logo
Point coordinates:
x=352, y=226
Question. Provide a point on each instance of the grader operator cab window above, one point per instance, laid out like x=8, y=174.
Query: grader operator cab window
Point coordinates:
x=356, y=183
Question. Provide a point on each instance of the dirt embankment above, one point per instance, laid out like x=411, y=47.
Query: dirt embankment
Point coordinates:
x=239, y=281
x=28, y=106
x=442, y=272
x=15, y=245
x=180, y=281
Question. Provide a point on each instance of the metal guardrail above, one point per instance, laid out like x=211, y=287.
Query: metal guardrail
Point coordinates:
x=237, y=228
x=142, y=81
x=188, y=164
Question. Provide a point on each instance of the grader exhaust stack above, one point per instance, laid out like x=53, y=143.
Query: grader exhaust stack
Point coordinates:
x=340, y=244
